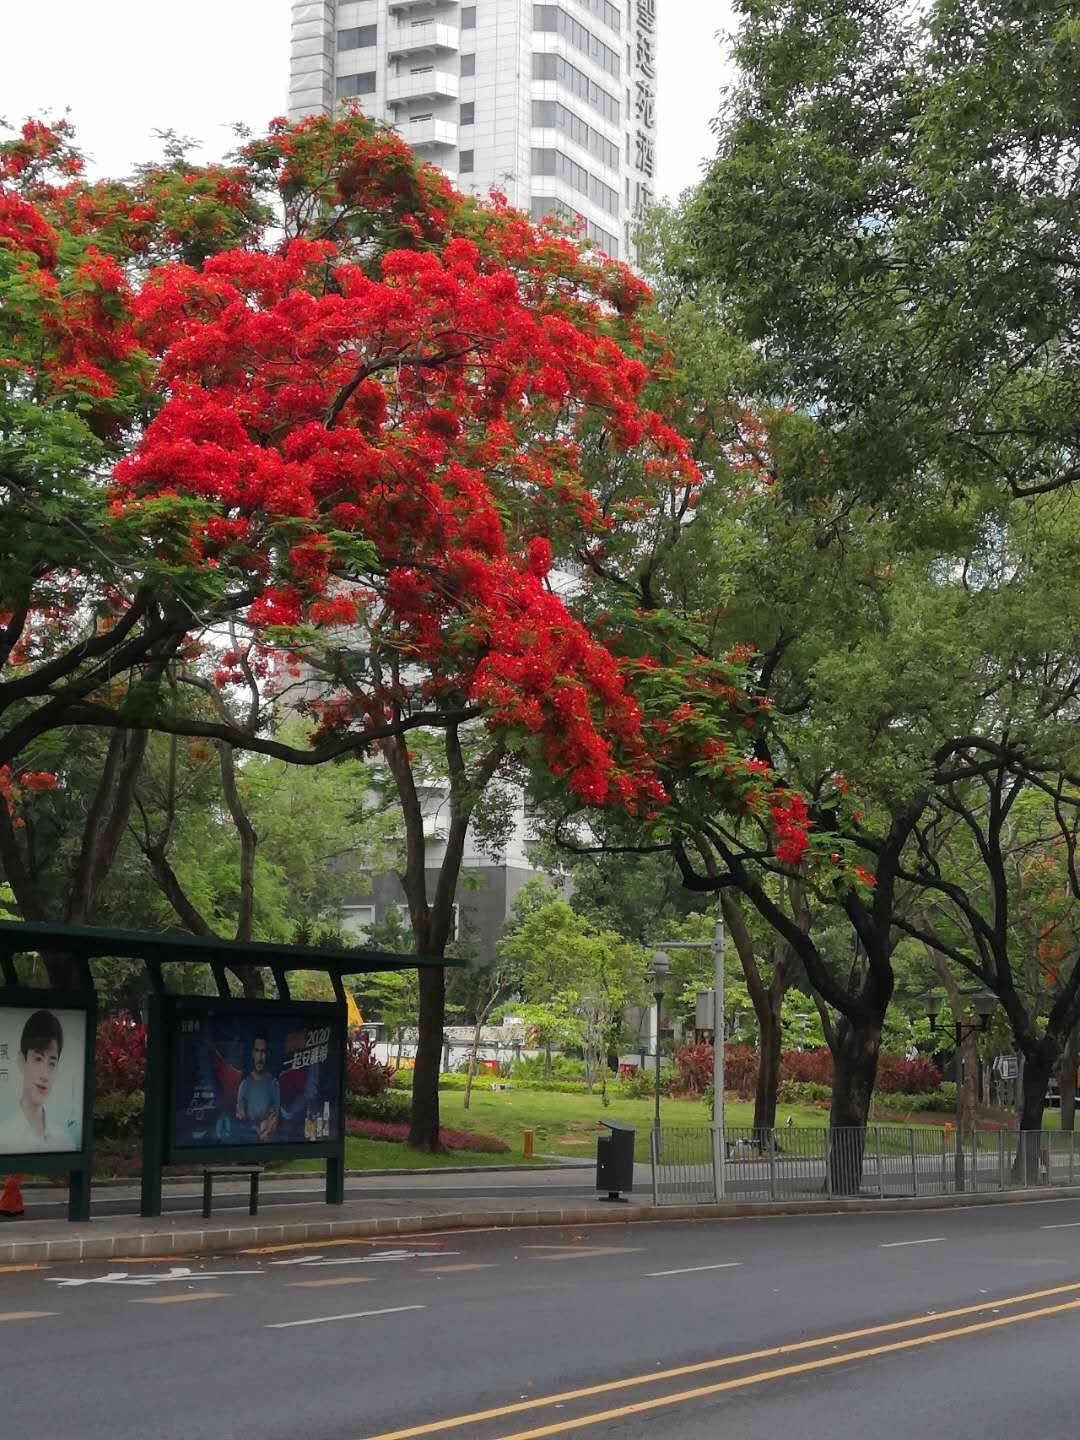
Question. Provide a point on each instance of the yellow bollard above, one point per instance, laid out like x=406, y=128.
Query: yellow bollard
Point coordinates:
x=527, y=1143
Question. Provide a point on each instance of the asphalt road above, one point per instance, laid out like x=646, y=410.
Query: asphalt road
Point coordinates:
x=957, y=1322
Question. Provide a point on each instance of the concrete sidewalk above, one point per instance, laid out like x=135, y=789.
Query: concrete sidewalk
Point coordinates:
x=368, y=1216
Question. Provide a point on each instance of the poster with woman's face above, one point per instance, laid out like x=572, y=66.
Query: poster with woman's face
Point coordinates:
x=42, y=1071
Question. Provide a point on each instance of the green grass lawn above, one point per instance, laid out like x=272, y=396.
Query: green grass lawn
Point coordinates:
x=562, y=1125
x=569, y=1124
x=364, y=1154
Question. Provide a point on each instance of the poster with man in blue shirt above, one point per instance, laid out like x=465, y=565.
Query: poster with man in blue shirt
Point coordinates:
x=255, y=1078
x=258, y=1100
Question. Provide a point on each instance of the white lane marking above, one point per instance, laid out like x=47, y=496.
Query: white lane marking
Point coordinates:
x=899, y=1244
x=693, y=1269
x=1069, y=1225
x=380, y=1259
x=182, y=1299
x=300, y=1260
x=356, y=1315
x=122, y=1277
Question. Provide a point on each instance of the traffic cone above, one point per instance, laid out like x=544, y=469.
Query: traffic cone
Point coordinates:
x=11, y=1201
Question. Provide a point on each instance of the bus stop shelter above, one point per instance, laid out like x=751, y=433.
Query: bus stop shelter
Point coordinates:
x=202, y=1103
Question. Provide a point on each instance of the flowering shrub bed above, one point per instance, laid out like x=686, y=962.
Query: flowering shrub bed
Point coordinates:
x=896, y=1075
x=398, y=1133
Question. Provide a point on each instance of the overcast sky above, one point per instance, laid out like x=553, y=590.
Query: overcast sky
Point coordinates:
x=125, y=68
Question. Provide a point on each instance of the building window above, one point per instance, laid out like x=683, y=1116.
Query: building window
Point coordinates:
x=468, y=64
x=468, y=17
x=550, y=115
x=357, y=921
x=548, y=66
x=468, y=113
x=552, y=18
x=554, y=162
x=358, y=39
x=467, y=161
x=606, y=11
x=544, y=206
x=356, y=84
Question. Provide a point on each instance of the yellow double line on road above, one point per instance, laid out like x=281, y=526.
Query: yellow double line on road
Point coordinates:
x=759, y=1377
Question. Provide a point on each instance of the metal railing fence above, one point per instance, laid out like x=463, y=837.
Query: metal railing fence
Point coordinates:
x=691, y=1164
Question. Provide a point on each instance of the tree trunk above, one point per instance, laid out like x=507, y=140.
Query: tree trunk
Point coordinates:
x=768, y=1004
x=967, y=1061
x=588, y=1055
x=424, y=1126
x=1038, y=1067
x=102, y=832
x=855, y=1067
x=1067, y=1080
x=106, y=822
x=472, y=1063
x=251, y=981
x=768, y=1080
x=969, y=1088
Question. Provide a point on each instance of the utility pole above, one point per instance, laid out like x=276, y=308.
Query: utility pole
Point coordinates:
x=718, y=1051
x=716, y=945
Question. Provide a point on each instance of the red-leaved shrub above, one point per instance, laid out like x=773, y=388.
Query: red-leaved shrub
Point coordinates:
x=812, y=1067
x=364, y=1074
x=895, y=1074
x=898, y=1076
x=740, y=1070
x=694, y=1070
x=121, y=1056
x=398, y=1133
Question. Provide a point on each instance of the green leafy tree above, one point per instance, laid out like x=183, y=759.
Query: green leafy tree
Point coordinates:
x=583, y=978
x=891, y=217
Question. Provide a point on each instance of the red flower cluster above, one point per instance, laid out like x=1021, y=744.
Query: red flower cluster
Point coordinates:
x=413, y=408
x=790, y=826
x=13, y=786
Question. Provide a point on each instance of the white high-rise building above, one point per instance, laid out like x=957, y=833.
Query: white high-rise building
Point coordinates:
x=555, y=104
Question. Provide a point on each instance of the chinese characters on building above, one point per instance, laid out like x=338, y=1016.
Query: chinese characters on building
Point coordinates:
x=644, y=110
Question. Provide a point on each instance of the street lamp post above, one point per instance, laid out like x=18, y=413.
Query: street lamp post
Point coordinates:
x=984, y=1004
x=716, y=946
x=659, y=969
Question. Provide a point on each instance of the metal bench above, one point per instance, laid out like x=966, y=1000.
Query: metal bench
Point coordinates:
x=218, y=1172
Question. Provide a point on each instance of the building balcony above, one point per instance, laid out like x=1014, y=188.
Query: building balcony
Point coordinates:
x=430, y=134
x=429, y=84
x=423, y=37
x=403, y=7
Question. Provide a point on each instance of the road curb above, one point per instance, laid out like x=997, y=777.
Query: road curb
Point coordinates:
x=79, y=1242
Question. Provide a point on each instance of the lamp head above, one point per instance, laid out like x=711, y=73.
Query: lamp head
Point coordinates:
x=984, y=1003
x=659, y=969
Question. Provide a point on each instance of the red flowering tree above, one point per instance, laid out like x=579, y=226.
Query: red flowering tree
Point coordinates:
x=318, y=395
x=723, y=608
